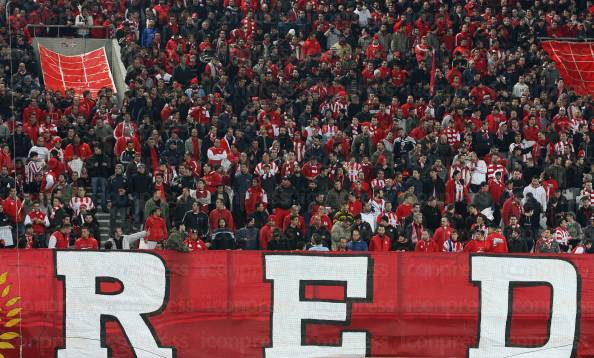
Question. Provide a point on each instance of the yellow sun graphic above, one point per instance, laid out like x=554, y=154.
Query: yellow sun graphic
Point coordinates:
x=8, y=317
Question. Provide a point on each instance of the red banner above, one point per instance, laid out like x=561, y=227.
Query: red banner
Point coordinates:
x=575, y=63
x=257, y=304
x=87, y=71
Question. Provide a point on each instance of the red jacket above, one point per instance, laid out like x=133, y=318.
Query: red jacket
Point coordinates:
x=61, y=240
x=86, y=244
x=12, y=208
x=265, y=236
x=510, y=208
x=311, y=47
x=380, y=243
x=156, y=227
x=477, y=246
x=216, y=215
x=441, y=235
x=83, y=151
x=301, y=225
x=497, y=243
x=197, y=245
x=450, y=192
x=496, y=189
x=425, y=246
x=121, y=144
x=38, y=229
x=253, y=197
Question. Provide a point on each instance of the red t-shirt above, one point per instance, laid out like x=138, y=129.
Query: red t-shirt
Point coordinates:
x=477, y=246
x=86, y=244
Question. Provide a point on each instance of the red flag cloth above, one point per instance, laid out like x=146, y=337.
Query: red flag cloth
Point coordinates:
x=87, y=71
x=229, y=304
x=575, y=62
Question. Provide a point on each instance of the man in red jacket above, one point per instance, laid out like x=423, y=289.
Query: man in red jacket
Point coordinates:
x=220, y=212
x=478, y=244
x=512, y=207
x=60, y=238
x=13, y=207
x=442, y=233
x=85, y=242
x=266, y=232
x=39, y=221
x=496, y=241
x=156, y=228
x=380, y=241
x=425, y=244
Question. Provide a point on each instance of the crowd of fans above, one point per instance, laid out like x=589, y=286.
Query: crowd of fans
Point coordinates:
x=307, y=124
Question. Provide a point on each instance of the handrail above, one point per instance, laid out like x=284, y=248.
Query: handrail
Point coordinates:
x=109, y=34
x=72, y=26
x=576, y=39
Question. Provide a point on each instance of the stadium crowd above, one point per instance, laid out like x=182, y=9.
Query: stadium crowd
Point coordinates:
x=434, y=126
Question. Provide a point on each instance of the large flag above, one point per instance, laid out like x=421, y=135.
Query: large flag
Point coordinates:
x=250, y=304
x=87, y=71
x=575, y=62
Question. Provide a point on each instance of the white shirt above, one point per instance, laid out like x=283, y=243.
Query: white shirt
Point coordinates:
x=42, y=151
x=519, y=89
x=538, y=193
x=364, y=16
x=479, y=173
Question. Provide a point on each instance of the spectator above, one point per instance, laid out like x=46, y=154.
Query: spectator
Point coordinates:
x=85, y=241
x=99, y=169
x=156, y=228
x=222, y=237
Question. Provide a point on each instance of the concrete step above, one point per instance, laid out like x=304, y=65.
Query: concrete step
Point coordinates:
x=103, y=220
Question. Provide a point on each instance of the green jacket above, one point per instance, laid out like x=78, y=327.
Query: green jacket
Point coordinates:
x=176, y=242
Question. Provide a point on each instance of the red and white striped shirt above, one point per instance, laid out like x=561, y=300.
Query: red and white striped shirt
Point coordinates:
x=590, y=194
x=31, y=170
x=260, y=171
x=559, y=148
x=392, y=218
x=464, y=170
x=288, y=168
x=378, y=184
x=329, y=131
x=353, y=170
x=76, y=202
x=576, y=123
x=561, y=235
x=521, y=146
x=453, y=137
x=299, y=149
x=493, y=168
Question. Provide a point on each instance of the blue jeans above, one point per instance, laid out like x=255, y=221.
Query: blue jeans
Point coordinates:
x=99, y=184
x=138, y=208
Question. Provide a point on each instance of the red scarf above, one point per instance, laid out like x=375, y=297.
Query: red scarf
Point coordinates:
x=154, y=158
x=161, y=188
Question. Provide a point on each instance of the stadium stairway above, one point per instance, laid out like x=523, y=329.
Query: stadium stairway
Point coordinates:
x=103, y=220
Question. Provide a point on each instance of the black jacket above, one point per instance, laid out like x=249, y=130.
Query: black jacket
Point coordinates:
x=284, y=198
x=223, y=239
x=99, y=165
x=141, y=184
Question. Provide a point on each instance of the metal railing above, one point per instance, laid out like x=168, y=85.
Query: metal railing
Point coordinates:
x=37, y=30
x=575, y=39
